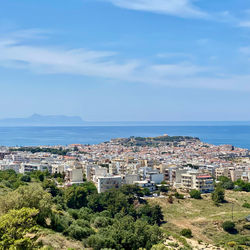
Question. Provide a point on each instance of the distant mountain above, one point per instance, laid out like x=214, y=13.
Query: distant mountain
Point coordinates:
x=43, y=120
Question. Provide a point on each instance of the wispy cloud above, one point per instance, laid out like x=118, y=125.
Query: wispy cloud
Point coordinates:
x=18, y=53
x=245, y=24
x=62, y=61
x=175, y=55
x=183, y=9
x=245, y=51
x=180, y=8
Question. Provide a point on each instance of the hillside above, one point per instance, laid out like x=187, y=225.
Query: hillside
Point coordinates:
x=155, y=141
x=205, y=219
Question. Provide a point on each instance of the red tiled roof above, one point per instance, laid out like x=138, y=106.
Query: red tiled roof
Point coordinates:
x=204, y=176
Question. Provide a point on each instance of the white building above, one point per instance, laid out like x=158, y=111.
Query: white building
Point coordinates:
x=74, y=176
x=131, y=178
x=106, y=183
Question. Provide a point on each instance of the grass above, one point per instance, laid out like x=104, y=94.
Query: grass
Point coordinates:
x=205, y=219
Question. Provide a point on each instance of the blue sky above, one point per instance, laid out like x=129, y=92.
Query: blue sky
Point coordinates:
x=126, y=60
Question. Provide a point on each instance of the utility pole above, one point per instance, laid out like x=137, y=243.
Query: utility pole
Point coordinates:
x=232, y=211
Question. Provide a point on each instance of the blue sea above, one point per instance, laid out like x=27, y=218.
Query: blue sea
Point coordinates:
x=237, y=135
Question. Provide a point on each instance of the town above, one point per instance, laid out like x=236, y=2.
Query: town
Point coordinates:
x=181, y=163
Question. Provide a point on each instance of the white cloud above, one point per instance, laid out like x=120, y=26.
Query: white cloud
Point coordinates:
x=175, y=55
x=244, y=24
x=180, y=8
x=108, y=65
x=62, y=61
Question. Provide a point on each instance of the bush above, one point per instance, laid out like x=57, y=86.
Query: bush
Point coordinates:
x=247, y=226
x=195, y=194
x=101, y=222
x=97, y=242
x=218, y=196
x=186, y=232
x=228, y=226
x=170, y=199
x=232, y=243
x=59, y=223
x=179, y=196
x=246, y=205
x=78, y=232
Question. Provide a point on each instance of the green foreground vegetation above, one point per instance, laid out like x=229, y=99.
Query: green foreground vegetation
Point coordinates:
x=33, y=210
x=36, y=214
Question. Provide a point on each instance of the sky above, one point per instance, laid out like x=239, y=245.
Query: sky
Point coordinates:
x=126, y=60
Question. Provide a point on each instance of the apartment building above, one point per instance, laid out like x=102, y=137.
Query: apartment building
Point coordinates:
x=74, y=176
x=198, y=181
x=106, y=183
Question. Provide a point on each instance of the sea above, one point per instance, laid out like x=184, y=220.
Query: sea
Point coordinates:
x=237, y=135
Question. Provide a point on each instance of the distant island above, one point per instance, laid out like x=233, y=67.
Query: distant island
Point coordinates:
x=43, y=120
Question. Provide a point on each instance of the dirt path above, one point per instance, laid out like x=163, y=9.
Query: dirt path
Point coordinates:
x=185, y=223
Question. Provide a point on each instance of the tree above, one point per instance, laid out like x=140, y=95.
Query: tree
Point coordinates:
x=152, y=214
x=98, y=241
x=77, y=232
x=229, y=226
x=75, y=197
x=60, y=223
x=26, y=178
x=14, y=227
x=89, y=187
x=195, y=194
x=32, y=196
x=243, y=186
x=163, y=188
x=218, y=196
x=51, y=187
x=101, y=221
x=10, y=179
x=131, y=190
x=225, y=183
x=146, y=191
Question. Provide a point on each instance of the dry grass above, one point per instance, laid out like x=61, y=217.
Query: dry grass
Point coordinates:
x=204, y=218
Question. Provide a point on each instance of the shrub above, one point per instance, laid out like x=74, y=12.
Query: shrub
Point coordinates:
x=170, y=199
x=101, y=222
x=186, y=232
x=178, y=195
x=228, y=226
x=78, y=232
x=173, y=244
x=82, y=223
x=218, y=196
x=195, y=194
x=232, y=243
x=60, y=223
x=245, y=240
x=247, y=226
x=246, y=205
